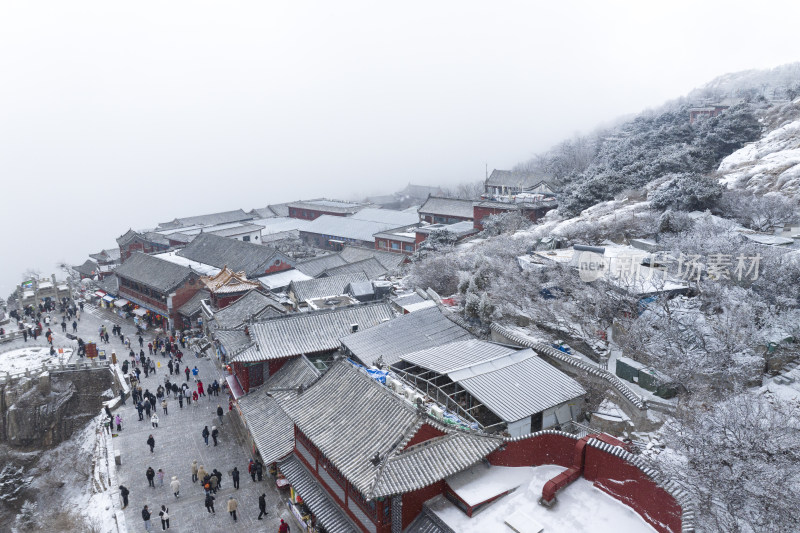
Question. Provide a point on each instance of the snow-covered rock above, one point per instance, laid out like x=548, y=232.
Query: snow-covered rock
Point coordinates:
x=771, y=164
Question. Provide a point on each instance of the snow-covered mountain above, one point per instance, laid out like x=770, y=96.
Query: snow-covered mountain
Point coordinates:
x=770, y=164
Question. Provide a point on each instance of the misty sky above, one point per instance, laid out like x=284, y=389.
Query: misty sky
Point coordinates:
x=117, y=115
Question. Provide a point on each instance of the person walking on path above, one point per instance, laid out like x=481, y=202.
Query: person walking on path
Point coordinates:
x=200, y=390
x=214, y=482
x=232, y=505
x=175, y=485
x=123, y=491
x=119, y=423
x=164, y=515
x=251, y=468
x=262, y=506
x=194, y=471
x=154, y=420
x=201, y=473
x=146, y=518
x=151, y=442
x=180, y=400
x=150, y=474
x=74, y=327
x=210, y=504
x=186, y=371
x=259, y=470
x=107, y=424
x=235, y=476
x=164, y=405
x=220, y=413
x=195, y=372
x=284, y=527
x=205, y=434
x=216, y=473
x=160, y=476
x=214, y=434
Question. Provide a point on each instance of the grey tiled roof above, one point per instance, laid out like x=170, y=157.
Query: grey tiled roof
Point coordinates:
x=324, y=508
x=405, y=334
x=348, y=227
x=110, y=284
x=310, y=333
x=253, y=259
x=448, y=357
x=280, y=210
x=351, y=418
x=153, y=272
x=360, y=288
x=390, y=261
x=387, y=216
x=330, y=206
x=310, y=289
x=208, y=220
x=233, y=341
x=316, y=266
x=452, y=207
x=370, y=266
x=271, y=428
x=192, y=307
x=424, y=523
x=298, y=371
x=517, y=385
x=106, y=256
x=252, y=303
x=88, y=268
x=514, y=179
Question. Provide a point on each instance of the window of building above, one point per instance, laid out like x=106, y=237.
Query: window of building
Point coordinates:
x=246, y=238
x=395, y=245
x=408, y=247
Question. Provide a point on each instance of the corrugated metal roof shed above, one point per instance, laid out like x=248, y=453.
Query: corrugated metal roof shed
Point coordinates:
x=310, y=333
x=405, y=334
x=448, y=357
x=517, y=385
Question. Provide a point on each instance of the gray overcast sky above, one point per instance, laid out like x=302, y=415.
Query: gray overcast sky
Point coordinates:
x=117, y=115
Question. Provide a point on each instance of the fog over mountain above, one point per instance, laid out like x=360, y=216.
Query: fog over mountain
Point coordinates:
x=118, y=116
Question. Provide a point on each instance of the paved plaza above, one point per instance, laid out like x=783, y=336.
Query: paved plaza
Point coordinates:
x=178, y=442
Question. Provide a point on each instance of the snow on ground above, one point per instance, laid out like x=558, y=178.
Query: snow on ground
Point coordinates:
x=32, y=358
x=769, y=164
x=580, y=508
x=479, y=483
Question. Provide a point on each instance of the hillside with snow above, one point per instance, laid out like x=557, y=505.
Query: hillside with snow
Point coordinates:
x=770, y=164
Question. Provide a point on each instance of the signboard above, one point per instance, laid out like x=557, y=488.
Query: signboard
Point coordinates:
x=101, y=355
x=91, y=350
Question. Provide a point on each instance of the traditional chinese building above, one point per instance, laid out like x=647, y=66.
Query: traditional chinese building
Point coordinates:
x=227, y=286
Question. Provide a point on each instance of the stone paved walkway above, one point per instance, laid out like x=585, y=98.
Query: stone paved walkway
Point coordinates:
x=178, y=442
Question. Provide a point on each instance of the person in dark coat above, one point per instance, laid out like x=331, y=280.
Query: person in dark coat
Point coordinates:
x=151, y=474
x=259, y=470
x=216, y=473
x=151, y=442
x=139, y=408
x=262, y=506
x=122, y=396
x=251, y=469
x=205, y=434
x=284, y=527
x=187, y=371
x=235, y=476
x=163, y=513
x=123, y=491
x=214, y=434
x=146, y=518
x=210, y=503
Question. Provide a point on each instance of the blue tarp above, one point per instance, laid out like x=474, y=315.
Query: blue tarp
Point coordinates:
x=377, y=375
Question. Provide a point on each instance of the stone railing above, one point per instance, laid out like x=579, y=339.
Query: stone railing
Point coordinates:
x=7, y=377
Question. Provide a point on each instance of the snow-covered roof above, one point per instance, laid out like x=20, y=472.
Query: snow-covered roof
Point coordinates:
x=282, y=279
x=452, y=207
x=274, y=225
x=200, y=268
x=334, y=227
x=387, y=216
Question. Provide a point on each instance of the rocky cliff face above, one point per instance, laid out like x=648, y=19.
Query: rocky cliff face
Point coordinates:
x=43, y=412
